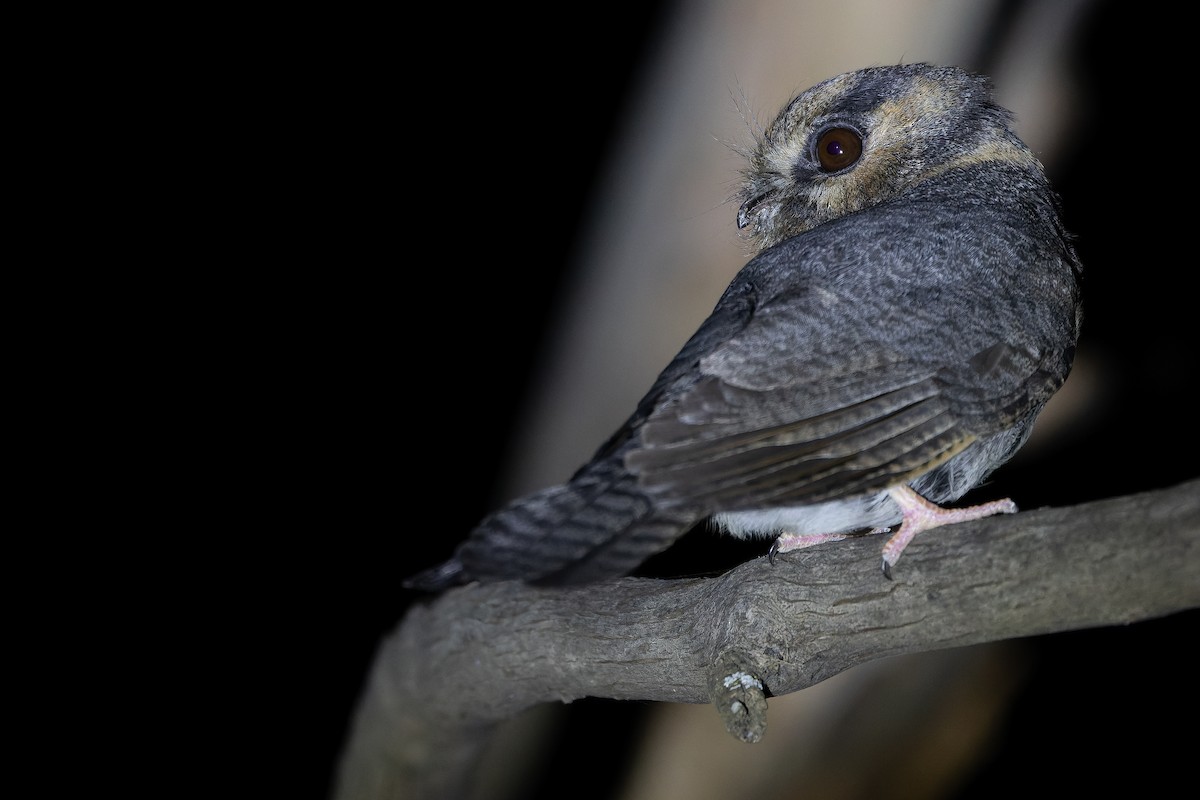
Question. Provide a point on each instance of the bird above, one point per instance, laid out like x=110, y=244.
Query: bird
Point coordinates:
x=911, y=302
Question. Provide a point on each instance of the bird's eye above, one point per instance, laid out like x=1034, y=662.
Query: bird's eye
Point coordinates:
x=838, y=148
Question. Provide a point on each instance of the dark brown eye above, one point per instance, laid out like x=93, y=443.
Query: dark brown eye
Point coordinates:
x=838, y=148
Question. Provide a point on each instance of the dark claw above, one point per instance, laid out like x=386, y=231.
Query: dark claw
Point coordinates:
x=771, y=553
x=887, y=570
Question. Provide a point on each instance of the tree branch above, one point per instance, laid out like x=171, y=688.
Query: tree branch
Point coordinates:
x=482, y=653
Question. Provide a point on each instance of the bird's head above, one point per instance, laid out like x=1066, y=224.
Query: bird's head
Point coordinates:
x=864, y=137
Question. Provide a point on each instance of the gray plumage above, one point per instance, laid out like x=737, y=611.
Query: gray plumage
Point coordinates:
x=913, y=306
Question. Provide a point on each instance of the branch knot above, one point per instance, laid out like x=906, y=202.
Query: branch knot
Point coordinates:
x=737, y=692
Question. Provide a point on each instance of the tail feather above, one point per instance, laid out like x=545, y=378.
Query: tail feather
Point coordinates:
x=600, y=525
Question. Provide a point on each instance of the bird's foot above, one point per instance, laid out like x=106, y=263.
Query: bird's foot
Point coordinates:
x=786, y=542
x=921, y=515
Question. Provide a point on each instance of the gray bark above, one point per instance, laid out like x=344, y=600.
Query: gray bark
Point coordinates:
x=480, y=654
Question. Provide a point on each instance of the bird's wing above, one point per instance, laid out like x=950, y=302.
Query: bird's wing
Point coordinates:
x=860, y=372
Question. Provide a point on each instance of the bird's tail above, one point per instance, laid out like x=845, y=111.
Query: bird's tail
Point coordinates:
x=600, y=525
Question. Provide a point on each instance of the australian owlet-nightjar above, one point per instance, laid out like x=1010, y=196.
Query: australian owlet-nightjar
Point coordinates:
x=913, y=304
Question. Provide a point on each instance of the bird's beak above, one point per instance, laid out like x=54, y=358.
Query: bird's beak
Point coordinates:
x=747, y=208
